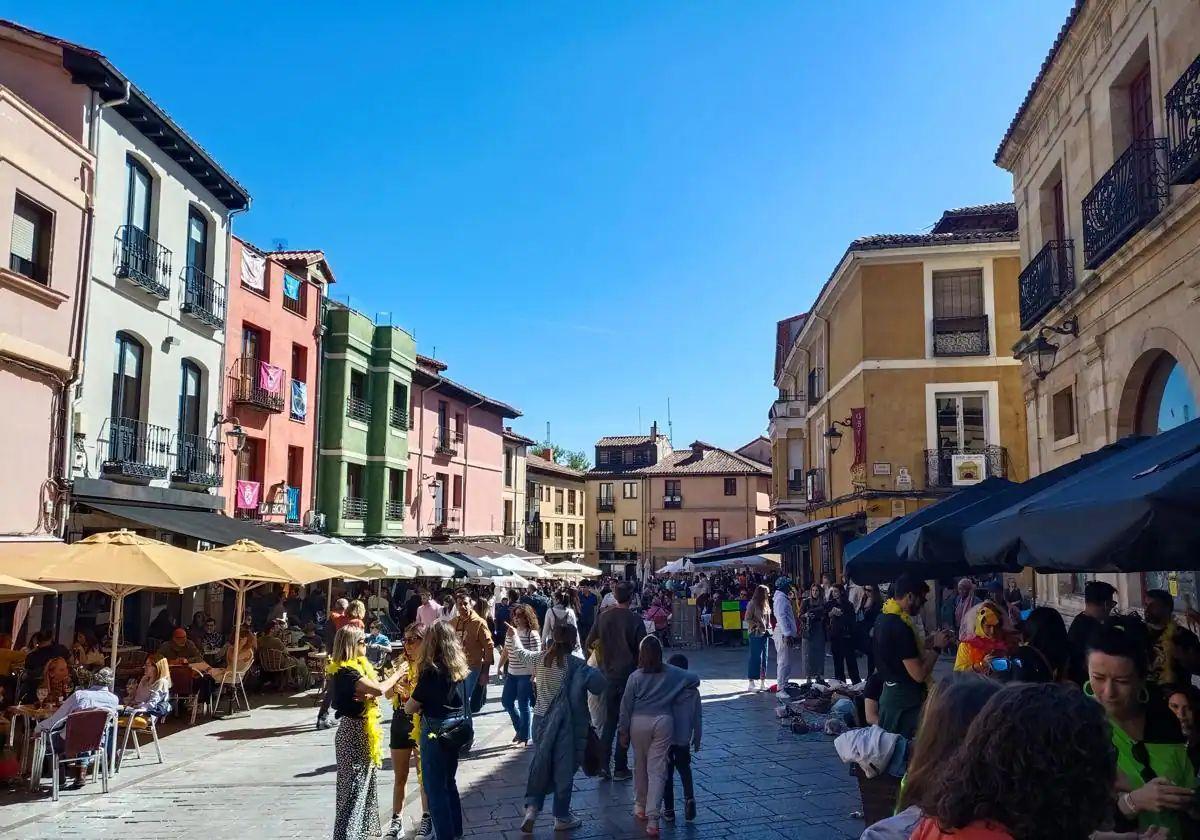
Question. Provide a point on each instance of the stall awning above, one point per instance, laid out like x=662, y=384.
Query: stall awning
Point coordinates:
x=773, y=541
x=469, y=568
x=202, y=524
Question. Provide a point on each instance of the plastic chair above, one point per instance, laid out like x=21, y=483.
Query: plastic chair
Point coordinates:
x=140, y=722
x=184, y=688
x=240, y=683
x=273, y=664
x=83, y=740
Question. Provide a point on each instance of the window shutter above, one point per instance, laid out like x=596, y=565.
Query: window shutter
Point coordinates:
x=24, y=232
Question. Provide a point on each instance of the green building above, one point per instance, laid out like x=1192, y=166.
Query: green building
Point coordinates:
x=366, y=377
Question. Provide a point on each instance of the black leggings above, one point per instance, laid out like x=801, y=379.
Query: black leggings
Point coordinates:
x=845, y=657
x=679, y=758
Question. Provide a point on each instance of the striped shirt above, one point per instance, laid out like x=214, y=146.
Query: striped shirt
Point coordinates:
x=530, y=641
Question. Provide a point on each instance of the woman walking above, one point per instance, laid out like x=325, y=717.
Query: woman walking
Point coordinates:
x=868, y=611
x=517, y=696
x=560, y=722
x=758, y=622
x=358, y=744
x=440, y=698
x=839, y=624
x=564, y=611
x=812, y=618
x=646, y=721
x=405, y=730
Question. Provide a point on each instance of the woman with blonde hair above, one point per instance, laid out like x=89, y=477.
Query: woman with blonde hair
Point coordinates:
x=356, y=615
x=358, y=745
x=57, y=681
x=153, y=692
x=406, y=729
x=758, y=622
x=440, y=698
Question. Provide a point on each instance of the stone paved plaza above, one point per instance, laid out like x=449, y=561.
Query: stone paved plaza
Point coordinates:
x=272, y=776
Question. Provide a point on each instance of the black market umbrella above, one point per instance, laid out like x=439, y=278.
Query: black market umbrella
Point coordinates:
x=938, y=544
x=1136, y=511
x=873, y=558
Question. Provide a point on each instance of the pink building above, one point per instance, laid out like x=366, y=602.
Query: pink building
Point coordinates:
x=455, y=457
x=46, y=182
x=272, y=356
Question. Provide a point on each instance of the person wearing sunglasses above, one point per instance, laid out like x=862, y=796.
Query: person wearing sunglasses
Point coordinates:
x=405, y=730
x=1155, y=778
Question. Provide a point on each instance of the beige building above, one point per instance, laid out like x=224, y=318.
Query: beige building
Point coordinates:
x=1104, y=154
x=652, y=504
x=512, y=492
x=556, y=519
x=898, y=385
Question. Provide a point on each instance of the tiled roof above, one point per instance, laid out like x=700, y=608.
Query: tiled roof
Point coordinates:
x=708, y=461
x=429, y=375
x=1072, y=16
x=982, y=209
x=539, y=464
x=509, y=434
x=882, y=241
x=431, y=363
x=625, y=440
x=303, y=256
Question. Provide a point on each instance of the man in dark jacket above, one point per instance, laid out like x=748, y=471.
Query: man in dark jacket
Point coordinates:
x=619, y=633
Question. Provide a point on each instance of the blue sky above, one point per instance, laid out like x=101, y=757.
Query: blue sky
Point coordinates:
x=588, y=208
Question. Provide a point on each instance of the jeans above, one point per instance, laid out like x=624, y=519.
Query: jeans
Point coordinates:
x=469, y=684
x=613, y=692
x=845, y=657
x=679, y=758
x=439, y=766
x=516, y=699
x=757, y=667
x=562, y=795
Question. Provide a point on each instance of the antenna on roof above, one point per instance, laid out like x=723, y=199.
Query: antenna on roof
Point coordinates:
x=639, y=426
x=379, y=320
x=547, y=431
x=278, y=244
x=670, y=428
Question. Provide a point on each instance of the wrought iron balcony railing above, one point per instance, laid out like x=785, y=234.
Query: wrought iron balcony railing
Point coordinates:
x=143, y=261
x=1048, y=278
x=198, y=460
x=950, y=467
x=795, y=486
x=795, y=405
x=816, y=386
x=606, y=542
x=398, y=418
x=815, y=485
x=705, y=543
x=606, y=504
x=203, y=298
x=135, y=449
x=672, y=502
x=447, y=442
x=254, y=382
x=1183, y=126
x=1125, y=198
x=449, y=521
x=533, y=542
x=358, y=409
x=393, y=511
x=354, y=508
x=961, y=336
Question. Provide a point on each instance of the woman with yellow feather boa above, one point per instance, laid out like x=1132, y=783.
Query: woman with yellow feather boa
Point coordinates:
x=358, y=745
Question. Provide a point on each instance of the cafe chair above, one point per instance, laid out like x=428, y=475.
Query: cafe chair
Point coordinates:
x=83, y=740
x=234, y=687
x=274, y=666
x=140, y=722
x=185, y=688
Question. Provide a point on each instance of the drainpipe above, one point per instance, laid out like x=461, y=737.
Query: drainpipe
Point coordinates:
x=224, y=344
x=315, y=399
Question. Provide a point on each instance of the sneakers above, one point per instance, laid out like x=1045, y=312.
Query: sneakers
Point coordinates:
x=652, y=828
x=762, y=685
x=621, y=775
x=689, y=810
x=530, y=818
x=569, y=823
x=638, y=813
x=425, y=829
x=750, y=687
x=604, y=775
x=395, y=827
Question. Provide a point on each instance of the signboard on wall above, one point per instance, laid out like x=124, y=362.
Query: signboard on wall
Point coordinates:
x=881, y=468
x=827, y=553
x=967, y=469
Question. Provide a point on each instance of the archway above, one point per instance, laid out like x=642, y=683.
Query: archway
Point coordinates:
x=1161, y=388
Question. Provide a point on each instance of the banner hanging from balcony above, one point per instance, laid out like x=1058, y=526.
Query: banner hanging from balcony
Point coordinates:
x=858, y=424
x=270, y=377
x=299, y=399
x=291, y=286
x=247, y=495
x=253, y=271
x=293, y=504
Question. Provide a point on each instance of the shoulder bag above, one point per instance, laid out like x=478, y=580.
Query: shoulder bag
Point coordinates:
x=456, y=732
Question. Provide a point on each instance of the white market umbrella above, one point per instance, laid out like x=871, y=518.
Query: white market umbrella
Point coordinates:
x=406, y=565
x=511, y=581
x=519, y=565
x=350, y=560
x=570, y=569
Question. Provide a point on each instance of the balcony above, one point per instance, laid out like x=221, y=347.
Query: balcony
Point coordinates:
x=1049, y=277
x=398, y=418
x=294, y=304
x=448, y=522
x=606, y=542
x=533, y=542
x=815, y=485
x=256, y=383
x=672, y=502
x=393, y=511
x=795, y=486
x=142, y=261
x=354, y=508
x=961, y=336
x=135, y=449
x=198, y=461
x=795, y=405
x=203, y=298
x=1183, y=126
x=945, y=471
x=705, y=543
x=606, y=504
x=1125, y=198
x=447, y=442
x=816, y=386
x=358, y=409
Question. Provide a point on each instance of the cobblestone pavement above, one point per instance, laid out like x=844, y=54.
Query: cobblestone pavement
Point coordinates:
x=271, y=775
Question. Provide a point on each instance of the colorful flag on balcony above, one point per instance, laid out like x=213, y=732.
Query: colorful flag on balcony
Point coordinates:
x=247, y=495
x=270, y=378
x=299, y=399
x=291, y=286
x=293, y=504
x=253, y=271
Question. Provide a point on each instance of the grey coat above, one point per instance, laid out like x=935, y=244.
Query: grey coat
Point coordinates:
x=560, y=746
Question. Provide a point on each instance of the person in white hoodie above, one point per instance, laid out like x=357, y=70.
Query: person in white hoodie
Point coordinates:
x=785, y=630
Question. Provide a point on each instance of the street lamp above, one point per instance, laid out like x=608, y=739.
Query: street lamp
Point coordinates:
x=236, y=436
x=1042, y=352
x=834, y=437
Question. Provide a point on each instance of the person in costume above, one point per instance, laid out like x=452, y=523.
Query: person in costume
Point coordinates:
x=405, y=732
x=986, y=641
x=1170, y=647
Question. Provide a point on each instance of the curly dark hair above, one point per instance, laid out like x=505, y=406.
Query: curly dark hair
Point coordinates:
x=1026, y=735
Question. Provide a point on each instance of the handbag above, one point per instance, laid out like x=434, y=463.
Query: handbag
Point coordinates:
x=454, y=733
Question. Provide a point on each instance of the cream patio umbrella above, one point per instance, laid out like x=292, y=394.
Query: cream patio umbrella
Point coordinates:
x=14, y=587
x=569, y=569
x=119, y=563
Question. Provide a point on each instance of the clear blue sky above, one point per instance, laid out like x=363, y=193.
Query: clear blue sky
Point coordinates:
x=588, y=208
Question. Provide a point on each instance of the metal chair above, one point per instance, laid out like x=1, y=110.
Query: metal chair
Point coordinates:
x=140, y=722
x=83, y=740
x=240, y=683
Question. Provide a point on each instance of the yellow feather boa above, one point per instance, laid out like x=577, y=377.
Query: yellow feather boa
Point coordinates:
x=370, y=705
x=1162, y=655
x=891, y=607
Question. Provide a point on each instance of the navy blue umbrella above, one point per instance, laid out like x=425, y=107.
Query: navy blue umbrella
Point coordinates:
x=1136, y=511
x=873, y=558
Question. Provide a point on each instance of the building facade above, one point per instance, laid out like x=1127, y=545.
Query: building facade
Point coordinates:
x=513, y=500
x=904, y=355
x=366, y=396
x=557, y=526
x=45, y=195
x=1105, y=155
x=272, y=359
x=456, y=457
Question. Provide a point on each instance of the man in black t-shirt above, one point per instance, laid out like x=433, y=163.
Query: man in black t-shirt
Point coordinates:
x=904, y=661
x=1099, y=600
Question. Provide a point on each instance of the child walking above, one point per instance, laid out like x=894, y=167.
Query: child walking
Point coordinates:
x=685, y=712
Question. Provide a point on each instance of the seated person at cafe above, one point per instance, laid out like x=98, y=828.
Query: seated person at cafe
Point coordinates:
x=289, y=667
x=85, y=651
x=212, y=639
x=152, y=694
x=180, y=650
x=312, y=638
x=42, y=649
x=95, y=696
x=9, y=658
x=57, y=680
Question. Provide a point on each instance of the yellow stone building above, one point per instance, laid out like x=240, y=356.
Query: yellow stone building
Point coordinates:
x=557, y=514
x=899, y=386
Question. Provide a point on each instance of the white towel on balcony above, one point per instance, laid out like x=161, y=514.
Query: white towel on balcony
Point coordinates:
x=253, y=267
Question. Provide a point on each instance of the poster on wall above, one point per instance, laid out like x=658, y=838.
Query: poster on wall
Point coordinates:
x=967, y=469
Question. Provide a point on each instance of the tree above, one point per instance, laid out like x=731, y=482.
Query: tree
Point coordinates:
x=576, y=460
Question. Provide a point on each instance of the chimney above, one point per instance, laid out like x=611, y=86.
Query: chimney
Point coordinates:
x=548, y=454
x=698, y=449
x=654, y=430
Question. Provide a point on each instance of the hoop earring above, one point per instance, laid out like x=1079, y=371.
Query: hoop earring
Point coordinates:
x=1144, y=696
x=1087, y=689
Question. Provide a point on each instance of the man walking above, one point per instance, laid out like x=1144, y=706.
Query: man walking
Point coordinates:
x=619, y=633
x=785, y=631
x=476, y=640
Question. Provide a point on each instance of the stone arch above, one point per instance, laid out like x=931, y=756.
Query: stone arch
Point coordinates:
x=1159, y=345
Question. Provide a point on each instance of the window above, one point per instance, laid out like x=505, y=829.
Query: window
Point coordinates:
x=629, y=490
x=395, y=485
x=629, y=527
x=197, y=242
x=558, y=535
x=961, y=422
x=1141, y=105
x=295, y=294
x=545, y=530
x=138, y=196
x=460, y=426
x=731, y=487
x=712, y=530
x=627, y=456
x=249, y=460
x=443, y=430
x=570, y=502
x=1063, y=407
x=457, y=494
x=355, y=485
x=295, y=467
x=189, y=401
x=253, y=344
x=958, y=294
x=669, y=531
x=571, y=535
x=508, y=466
x=558, y=501
x=671, y=488
x=29, y=250
x=358, y=385
x=127, y=379
x=606, y=529
x=602, y=457
x=399, y=416
x=299, y=363
x=606, y=492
